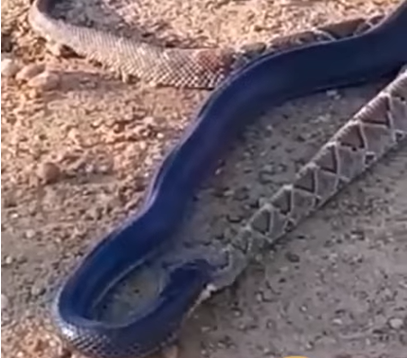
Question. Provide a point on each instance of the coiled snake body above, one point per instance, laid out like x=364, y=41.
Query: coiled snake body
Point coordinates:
x=351, y=58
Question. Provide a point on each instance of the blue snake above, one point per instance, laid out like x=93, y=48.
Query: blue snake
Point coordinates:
x=265, y=82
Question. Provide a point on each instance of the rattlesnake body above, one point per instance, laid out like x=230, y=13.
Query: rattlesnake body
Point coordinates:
x=201, y=68
x=375, y=129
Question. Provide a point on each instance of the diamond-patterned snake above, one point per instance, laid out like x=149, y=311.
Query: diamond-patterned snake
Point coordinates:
x=178, y=67
x=338, y=55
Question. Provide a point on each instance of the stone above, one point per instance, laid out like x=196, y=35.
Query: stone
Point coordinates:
x=8, y=260
x=396, y=323
x=48, y=172
x=30, y=234
x=170, y=352
x=290, y=256
x=30, y=71
x=45, y=81
x=5, y=302
x=9, y=68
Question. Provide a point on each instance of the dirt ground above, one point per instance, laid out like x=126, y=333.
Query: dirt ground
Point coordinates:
x=333, y=288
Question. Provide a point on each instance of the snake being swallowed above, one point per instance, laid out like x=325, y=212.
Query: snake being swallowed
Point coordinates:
x=269, y=80
x=188, y=68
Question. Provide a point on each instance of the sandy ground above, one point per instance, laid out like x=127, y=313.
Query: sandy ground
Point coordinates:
x=334, y=287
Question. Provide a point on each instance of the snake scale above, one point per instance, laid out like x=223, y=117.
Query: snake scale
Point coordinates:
x=303, y=64
x=186, y=68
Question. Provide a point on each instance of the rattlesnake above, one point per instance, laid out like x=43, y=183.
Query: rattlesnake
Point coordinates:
x=378, y=127
x=189, y=68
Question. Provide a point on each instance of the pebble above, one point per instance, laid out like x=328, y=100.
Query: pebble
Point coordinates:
x=259, y=297
x=396, y=323
x=270, y=324
x=292, y=257
x=357, y=235
x=30, y=71
x=303, y=309
x=6, y=43
x=8, y=202
x=30, y=234
x=337, y=321
x=253, y=49
x=264, y=177
x=9, y=68
x=45, y=81
x=48, y=172
x=149, y=121
x=266, y=174
x=241, y=194
x=234, y=217
x=5, y=302
x=8, y=260
x=104, y=169
x=171, y=352
x=268, y=295
x=37, y=290
x=333, y=94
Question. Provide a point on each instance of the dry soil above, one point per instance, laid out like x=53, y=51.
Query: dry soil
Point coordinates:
x=335, y=287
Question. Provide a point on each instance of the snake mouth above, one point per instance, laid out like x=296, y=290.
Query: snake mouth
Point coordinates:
x=144, y=332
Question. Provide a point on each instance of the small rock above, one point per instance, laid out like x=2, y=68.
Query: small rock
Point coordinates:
x=37, y=290
x=48, y=172
x=259, y=297
x=337, y=321
x=8, y=260
x=268, y=295
x=30, y=71
x=266, y=174
x=6, y=42
x=8, y=202
x=257, y=28
x=9, y=68
x=170, y=352
x=292, y=257
x=309, y=345
x=254, y=49
x=104, y=169
x=241, y=194
x=357, y=235
x=265, y=178
x=5, y=302
x=237, y=313
x=396, y=323
x=45, y=81
x=270, y=324
x=39, y=346
x=234, y=217
x=149, y=121
x=142, y=145
x=30, y=234
x=333, y=94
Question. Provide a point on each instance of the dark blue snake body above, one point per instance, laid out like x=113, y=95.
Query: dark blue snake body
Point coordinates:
x=266, y=82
